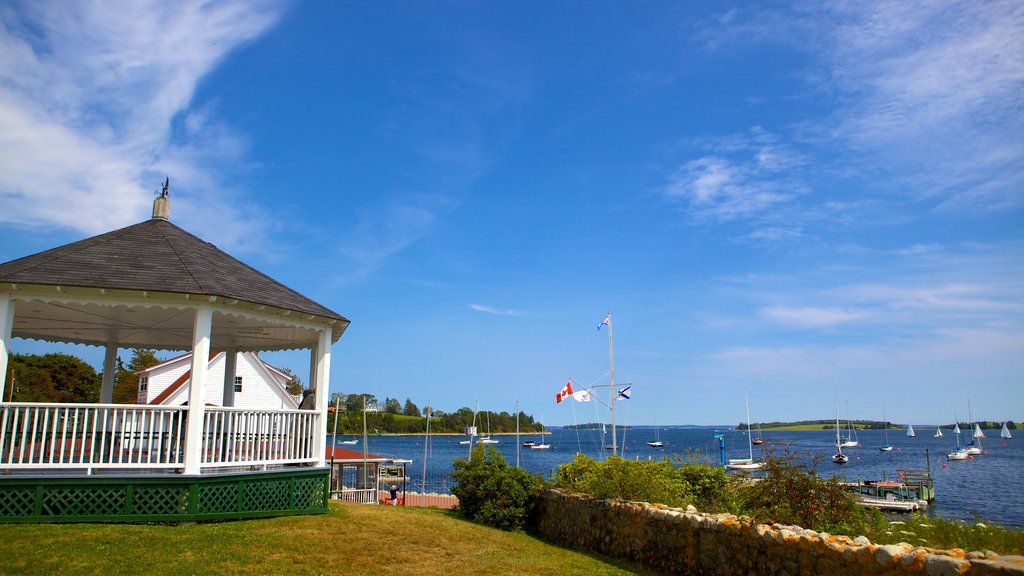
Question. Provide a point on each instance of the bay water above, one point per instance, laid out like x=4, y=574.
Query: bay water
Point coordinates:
x=988, y=487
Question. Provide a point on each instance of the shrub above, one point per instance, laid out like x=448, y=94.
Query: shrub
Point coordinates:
x=639, y=481
x=711, y=488
x=793, y=493
x=493, y=493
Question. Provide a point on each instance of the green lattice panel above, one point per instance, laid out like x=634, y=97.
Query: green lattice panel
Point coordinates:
x=91, y=501
x=214, y=498
x=263, y=495
x=160, y=500
x=309, y=493
x=17, y=501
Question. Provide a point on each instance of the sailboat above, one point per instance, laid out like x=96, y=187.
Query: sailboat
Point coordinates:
x=538, y=445
x=746, y=463
x=974, y=446
x=1005, y=432
x=910, y=430
x=851, y=440
x=656, y=443
x=839, y=457
x=759, y=439
x=487, y=439
x=938, y=432
x=471, y=431
x=885, y=447
x=959, y=452
x=351, y=442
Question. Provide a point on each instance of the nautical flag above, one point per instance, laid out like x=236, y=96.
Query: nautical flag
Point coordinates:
x=624, y=393
x=565, y=392
x=607, y=321
x=582, y=396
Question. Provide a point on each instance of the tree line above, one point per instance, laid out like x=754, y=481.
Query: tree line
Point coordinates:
x=391, y=416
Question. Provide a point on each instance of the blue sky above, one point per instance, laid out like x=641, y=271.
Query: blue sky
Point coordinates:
x=796, y=200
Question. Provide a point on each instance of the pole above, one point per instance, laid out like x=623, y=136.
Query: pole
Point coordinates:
x=517, y=434
x=426, y=442
x=611, y=381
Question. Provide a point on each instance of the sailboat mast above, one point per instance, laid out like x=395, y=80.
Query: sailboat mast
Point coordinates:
x=611, y=381
x=750, y=442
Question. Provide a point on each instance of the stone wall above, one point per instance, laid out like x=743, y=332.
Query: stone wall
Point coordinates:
x=675, y=541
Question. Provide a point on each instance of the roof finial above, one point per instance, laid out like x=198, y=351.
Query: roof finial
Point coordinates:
x=162, y=205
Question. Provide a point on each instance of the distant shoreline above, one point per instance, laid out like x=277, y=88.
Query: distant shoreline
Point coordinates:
x=438, y=434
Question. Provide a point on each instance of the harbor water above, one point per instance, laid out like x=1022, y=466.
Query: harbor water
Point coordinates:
x=989, y=486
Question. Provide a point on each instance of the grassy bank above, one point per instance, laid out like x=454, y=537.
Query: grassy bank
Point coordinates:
x=351, y=540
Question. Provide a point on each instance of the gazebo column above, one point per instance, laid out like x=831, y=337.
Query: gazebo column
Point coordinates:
x=322, y=381
x=109, y=370
x=197, y=388
x=6, y=325
x=230, y=367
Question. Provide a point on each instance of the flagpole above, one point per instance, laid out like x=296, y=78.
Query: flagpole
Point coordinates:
x=611, y=379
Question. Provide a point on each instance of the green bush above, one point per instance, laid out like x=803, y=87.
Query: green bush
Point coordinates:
x=638, y=481
x=792, y=493
x=711, y=487
x=493, y=493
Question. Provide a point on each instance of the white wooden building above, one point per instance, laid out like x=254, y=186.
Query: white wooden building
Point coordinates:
x=255, y=385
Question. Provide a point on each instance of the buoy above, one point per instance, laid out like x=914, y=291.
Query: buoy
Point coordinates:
x=944, y=466
x=985, y=452
x=971, y=457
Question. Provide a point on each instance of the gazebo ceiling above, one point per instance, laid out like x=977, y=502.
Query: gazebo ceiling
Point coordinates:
x=156, y=324
x=139, y=287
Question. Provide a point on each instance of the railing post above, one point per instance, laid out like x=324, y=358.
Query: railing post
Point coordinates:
x=323, y=382
x=6, y=325
x=197, y=388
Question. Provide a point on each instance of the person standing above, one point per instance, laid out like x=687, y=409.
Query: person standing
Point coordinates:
x=394, y=495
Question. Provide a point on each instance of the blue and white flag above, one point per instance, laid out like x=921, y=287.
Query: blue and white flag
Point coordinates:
x=624, y=393
x=607, y=321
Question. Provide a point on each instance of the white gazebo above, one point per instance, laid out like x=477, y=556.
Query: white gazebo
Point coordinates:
x=154, y=285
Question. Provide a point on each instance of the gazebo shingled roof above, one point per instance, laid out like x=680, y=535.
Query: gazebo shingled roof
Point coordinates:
x=156, y=255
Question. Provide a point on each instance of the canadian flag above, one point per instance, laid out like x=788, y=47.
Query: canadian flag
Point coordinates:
x=565, y=393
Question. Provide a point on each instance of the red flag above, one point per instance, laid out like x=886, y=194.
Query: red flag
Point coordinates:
x=565, y=393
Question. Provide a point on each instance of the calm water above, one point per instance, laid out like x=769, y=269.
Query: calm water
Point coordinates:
x=991, y=486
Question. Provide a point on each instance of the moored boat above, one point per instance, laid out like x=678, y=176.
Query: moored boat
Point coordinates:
x=1005, y=432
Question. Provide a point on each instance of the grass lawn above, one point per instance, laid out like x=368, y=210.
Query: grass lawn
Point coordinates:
x=351, y=539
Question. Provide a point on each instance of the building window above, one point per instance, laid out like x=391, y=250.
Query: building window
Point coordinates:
x=238, y=383
x=142, y=383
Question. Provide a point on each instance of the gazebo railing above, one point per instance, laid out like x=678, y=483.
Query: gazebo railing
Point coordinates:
x=245, y=437
x=112, y=436
x=40, y=435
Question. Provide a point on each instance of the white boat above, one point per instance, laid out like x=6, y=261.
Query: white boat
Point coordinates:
x=851, y=440
x=938, y=432
x=471, y=431
x=885, y=447
x=958, y=452
x=746, y=463
x=1005, y=432
x=974, y=446
x=910, y=430
x=487, y=439
x=538, y=445
x=656, y=443
x=839, y=457
x=349, y=442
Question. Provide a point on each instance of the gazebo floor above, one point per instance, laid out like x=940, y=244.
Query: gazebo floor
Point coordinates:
x=159, y=496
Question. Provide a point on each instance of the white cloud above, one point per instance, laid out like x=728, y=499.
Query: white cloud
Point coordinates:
x=492, y=310
x=88, y=95
x=810, y=317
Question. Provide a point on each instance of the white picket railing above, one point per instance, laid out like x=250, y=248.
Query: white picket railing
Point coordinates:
x=77, y=436
x=36, y=435
x=244, y=437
